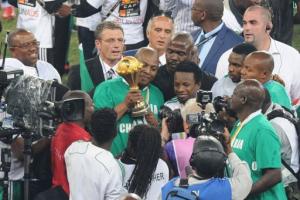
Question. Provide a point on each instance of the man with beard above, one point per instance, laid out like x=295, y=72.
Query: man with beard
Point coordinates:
x=234, y=11
x=116, y=94
x=257, y=25
x=226, y=85
x=180, y=49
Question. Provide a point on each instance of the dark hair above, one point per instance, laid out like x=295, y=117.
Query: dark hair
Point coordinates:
x=106, y=25
x=145, y=143
x=190, y=67
x=244, y=49
x=104, y=125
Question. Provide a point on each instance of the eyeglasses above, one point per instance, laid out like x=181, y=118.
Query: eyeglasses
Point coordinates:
x=160, y=13
x=28, y=45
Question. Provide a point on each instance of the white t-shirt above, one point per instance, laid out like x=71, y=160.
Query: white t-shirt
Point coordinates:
x=223, y=87
x=132, y=25
x=93, y=172
x=44, y=70
x=286, y=65
x=34, y=18
x=90, y=22
x=159, y=179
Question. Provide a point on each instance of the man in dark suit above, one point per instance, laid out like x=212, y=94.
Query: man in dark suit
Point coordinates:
x=110, y=44
x=179, y=49
x=215, y=37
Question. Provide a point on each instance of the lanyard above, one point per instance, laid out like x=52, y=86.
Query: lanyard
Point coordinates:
x=236, y=133
x=203, y=41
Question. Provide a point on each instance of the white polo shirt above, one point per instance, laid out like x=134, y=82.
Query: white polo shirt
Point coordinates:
x=286, y=65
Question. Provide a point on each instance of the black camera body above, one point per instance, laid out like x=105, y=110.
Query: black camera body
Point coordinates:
x=174, y=119
x=204, y=124
x=204, y=97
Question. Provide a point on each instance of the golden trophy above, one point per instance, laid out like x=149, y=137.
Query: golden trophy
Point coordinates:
x=128, y=68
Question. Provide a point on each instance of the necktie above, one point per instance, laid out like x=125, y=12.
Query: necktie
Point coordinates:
x=201, y=42
x=110, y=74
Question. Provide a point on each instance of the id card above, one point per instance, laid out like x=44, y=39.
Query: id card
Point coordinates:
x=129, y=8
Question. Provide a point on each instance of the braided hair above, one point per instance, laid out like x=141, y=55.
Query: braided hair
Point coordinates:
x=144, y=148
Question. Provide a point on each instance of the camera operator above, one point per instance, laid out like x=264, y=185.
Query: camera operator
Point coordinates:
x=67, y=133
x=179, y=149
x=288, y=137
x=254, y=140
x=208, y=158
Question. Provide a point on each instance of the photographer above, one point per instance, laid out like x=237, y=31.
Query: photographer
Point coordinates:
x=254, y=140
x=182, y=146
x=208, y=158
x=67, y=133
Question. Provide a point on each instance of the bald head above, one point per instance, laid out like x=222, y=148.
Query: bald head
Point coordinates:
x=147, y=52
x=252, y=93
x=262, y=60
x=183, y=37
x=258, y=65
x=149, y=58
x=265, y=13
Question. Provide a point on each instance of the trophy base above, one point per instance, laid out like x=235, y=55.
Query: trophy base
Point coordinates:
x=139, y=112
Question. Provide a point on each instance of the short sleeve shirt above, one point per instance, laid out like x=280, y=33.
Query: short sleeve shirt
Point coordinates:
x=113, y=92
x=258, y=145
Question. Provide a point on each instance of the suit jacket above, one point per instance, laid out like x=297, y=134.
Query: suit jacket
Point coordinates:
x=94, y=68
x=225, y=40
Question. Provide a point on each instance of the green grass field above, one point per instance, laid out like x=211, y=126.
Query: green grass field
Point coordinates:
x=73, y=50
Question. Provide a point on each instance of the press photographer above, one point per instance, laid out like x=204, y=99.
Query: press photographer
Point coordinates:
x=24, y=97
x=68, y=132
x=208, y=158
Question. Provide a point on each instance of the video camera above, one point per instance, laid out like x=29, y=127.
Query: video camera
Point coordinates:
x=174, y=119
x=35, y=104
x=207, y=121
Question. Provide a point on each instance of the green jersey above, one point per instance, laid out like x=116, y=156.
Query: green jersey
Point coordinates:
x=278, y=94
x=256, y=142
x=113, y=92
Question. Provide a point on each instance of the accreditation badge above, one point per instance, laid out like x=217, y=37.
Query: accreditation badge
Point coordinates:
x=129, y=8
x=30, y=3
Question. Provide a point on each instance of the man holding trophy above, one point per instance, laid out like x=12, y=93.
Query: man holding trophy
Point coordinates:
x=135, y=100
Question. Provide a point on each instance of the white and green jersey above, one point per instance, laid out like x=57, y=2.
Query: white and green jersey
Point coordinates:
x=173, y=104
x=278, y=94
x=255, y=141
x=113, y=92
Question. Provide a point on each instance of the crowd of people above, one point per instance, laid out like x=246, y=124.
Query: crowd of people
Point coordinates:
x=207, y=107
